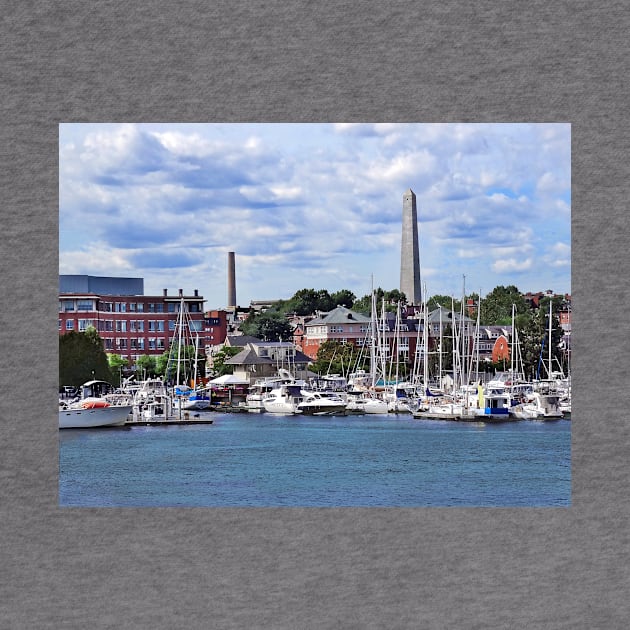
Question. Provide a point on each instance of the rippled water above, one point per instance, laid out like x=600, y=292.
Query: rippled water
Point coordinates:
x=261, y=460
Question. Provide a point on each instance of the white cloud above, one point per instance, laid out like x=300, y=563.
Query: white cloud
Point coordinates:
x=321, y=196
x=511, y=264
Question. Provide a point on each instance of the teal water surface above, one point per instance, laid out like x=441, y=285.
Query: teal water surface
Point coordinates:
x=259, y=460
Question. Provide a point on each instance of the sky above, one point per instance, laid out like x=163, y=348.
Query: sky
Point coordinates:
x=315, y=206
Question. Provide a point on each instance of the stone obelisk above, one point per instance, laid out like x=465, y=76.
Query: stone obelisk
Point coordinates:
x=409, y=252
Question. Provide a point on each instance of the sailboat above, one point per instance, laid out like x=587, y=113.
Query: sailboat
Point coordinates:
x=186, y=397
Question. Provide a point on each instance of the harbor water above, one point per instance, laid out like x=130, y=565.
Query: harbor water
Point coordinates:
x=260, y=460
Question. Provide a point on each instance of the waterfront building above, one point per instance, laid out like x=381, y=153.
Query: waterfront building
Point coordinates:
x=341, y=324
x=130, y=323
x=260, y=359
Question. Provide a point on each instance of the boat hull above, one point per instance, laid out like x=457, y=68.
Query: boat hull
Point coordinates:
x=112, y=416
x=322, y=409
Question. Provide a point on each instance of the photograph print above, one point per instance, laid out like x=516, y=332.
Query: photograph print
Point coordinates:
x=315, y=315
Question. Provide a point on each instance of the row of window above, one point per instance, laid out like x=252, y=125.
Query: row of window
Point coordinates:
x=71, y=306
x=122, y=325
x=152, y=343
x=334, y=328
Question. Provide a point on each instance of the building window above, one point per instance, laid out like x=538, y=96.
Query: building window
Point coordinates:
x=121, y=344
x=171, y=325
x=68, y=306
x=132, y=306
x=159, y=308
x=69, y=324
x=59, y=324
x=121, y=325
x=109, y=344
x=140, y=325
x=85, y=305
x=160, y=344
x=132, y=325
x=109, y=325
x=171, y=307
x=195, y=326
x=140, y=343
x=140, y=308
x=84, y=324
x=152, y=343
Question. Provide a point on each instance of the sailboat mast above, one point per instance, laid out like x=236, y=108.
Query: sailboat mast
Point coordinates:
x=550, y=323
x=440, y=354
x=179, y=339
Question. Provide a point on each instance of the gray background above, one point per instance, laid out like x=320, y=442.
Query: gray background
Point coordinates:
x=313, y=568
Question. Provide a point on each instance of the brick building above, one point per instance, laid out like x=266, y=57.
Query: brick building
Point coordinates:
x=130, y=323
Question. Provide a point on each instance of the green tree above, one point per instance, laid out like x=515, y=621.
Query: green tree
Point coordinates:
x=268, y=326
x=166, y=364
x=534, y=343
x=334, y=357
x=146, y=366
x=343, y=298
x=116, y=365
x=496, y=307
x=82, y=358
x=446, y=301
x=389, y=298
x=218, y=360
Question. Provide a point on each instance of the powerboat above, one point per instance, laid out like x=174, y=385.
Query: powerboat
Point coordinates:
x=284, y=399
x=318, y=403
x=96, y=407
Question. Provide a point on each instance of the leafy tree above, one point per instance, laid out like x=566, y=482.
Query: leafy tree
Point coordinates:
x=446, y=301
x=82, y=358
x=363, y=305
x=146, y=365
x=268, y=326
x=343, y=298
x=390, y=298
x=116, y=365
x=496, y=307
x=534, y=340
x=334, y=357
x=218, y=360
x=160, y=364
x=169, y=371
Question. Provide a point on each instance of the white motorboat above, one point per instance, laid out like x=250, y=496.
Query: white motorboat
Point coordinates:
x=152, y=402
x=262, y=387
x=538, y=406
x=441, y=410
x=316, y=403
x=361, y=402
x=284, y=399
x=94, y=408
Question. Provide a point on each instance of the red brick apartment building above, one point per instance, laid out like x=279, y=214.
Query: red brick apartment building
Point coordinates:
x=130, y=323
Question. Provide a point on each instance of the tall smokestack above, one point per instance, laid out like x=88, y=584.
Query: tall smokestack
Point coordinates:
x=231, y=280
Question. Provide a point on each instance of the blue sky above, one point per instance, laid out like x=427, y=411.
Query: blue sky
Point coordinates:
x=315, y=205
